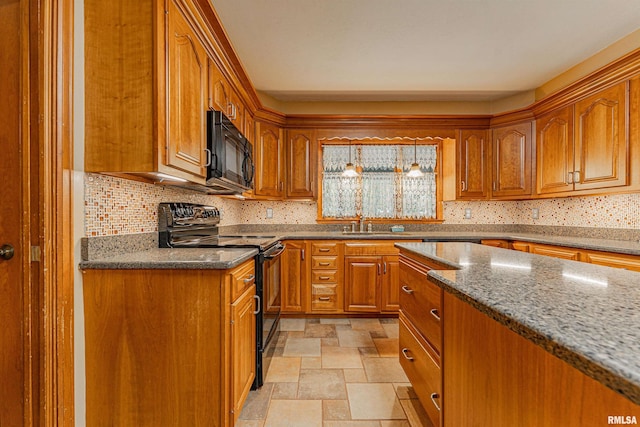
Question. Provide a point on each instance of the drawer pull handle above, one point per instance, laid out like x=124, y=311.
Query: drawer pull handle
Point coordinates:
x=324, y=264
x=324, y=299
x=324, y=250
x=250, y=278
x=406, y=356
x=435, y=396
x=325, y=277
x=407, y=290
x=434, y=313
x=302, y=254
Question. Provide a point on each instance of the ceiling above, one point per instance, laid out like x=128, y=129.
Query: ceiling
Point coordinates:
x=417, y=50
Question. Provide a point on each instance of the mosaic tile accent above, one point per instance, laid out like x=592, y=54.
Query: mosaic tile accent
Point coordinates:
x=119, y=206
x=611, y=211
x=115, y=206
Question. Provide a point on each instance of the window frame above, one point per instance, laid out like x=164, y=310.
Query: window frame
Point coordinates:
x=420, y=140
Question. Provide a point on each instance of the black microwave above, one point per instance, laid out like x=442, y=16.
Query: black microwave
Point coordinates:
x=231, y=168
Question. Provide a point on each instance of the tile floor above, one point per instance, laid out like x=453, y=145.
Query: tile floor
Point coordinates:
x=333, y=373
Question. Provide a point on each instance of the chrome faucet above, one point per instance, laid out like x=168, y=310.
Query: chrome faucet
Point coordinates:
x=362, y=219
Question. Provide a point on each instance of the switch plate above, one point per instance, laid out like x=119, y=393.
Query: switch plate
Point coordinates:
x=535, y=213
x=467, y=213
x=269, y=213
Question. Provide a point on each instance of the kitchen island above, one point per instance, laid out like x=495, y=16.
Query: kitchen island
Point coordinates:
x=523, y=339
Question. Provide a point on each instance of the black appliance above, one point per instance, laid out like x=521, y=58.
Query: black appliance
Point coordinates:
x=188, y=225
x=230, y=166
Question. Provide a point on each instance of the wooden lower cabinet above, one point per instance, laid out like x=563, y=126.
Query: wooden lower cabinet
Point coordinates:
x=327, y=291
x=495, y=377
x=363, y=282
x=243, y=348
x=609, y=259
x=168, y=347
x=420, y=335
x=371, y=271
x=294, y=280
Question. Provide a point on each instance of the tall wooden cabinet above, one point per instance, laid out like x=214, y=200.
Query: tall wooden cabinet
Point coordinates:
x=511, y=161
x=269, y=152
x=585, y=146
x=145, y=90
x=301, y=164
x=473, y=169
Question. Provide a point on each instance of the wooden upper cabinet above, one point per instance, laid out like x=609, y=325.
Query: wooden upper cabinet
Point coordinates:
x=269, y=160
x=554, y=151
x=511, y=161
x=223, y=98
x=473, y=161
x=601, y=149
x=301, y=162
x=187, y=96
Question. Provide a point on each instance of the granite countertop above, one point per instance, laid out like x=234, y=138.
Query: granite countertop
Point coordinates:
x=183, y=258
x=607, y=245
x=587, y=315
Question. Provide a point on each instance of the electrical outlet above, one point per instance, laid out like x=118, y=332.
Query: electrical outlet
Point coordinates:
x=467, y=213
x=535, y=213
x=269, y=213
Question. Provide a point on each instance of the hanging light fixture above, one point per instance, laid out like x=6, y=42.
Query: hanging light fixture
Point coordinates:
x=415, y=171
x=350, y=170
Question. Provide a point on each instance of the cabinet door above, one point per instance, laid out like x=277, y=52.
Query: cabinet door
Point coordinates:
x=187, y=96
x=390, y=283
x=219, y=90
x=301, y=155
x=473, y=160
x=602, y=155
x=294, y=281
x=243, y=348
x=236, y=111
x=512, y=161
x=554, y=151
x=362, y=283
x=269, y=150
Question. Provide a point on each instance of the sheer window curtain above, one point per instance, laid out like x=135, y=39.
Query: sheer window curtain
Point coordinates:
x=382, y=190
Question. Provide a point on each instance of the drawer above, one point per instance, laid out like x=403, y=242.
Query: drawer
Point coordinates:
x=242, y=277
x=324, y=249
x=324, y=276
x=325, y=297
x=421, y=302
x=421, y=368
x=324, y=262
x=375, y=247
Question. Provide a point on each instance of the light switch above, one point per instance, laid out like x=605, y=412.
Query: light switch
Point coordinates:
x=269, y=213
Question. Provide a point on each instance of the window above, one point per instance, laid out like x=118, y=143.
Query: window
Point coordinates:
x=382, y=189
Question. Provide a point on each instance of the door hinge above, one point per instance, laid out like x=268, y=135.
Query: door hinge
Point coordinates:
x=35, y=253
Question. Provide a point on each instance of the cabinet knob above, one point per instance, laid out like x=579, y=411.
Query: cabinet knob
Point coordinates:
x=570, y=178
x=324, y=299
x=407, y=290
x=463, y=186
x=576, y=176
x=434, y=313
x=250, y=278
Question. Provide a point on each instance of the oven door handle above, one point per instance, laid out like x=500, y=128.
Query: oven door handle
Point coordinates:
x=257, y=298
x=276, y=254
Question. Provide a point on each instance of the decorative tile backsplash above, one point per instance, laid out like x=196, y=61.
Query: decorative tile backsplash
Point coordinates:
x=115, y=206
